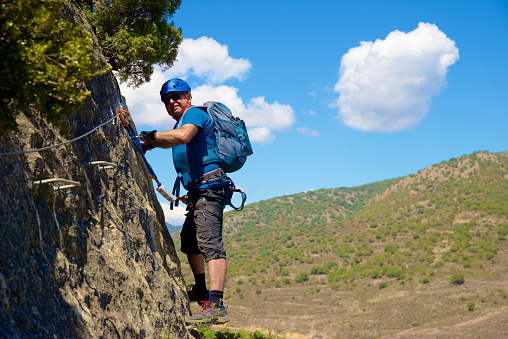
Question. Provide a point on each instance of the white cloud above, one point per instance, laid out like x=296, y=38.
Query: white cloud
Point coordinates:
x=386, y=85
x=262, y=118
x=175, y=217
x=144, y=102
x=276, y=116
x=263, y=135
x=204, y=58
x=207, y=59
x=308, y=132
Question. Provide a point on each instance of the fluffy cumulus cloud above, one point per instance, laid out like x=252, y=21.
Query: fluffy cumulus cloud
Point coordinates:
x=262, y=118
x=144, y=102
x=208, y=60
x=387, y=85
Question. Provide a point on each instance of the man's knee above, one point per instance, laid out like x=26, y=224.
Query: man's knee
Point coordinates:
x=215, y=253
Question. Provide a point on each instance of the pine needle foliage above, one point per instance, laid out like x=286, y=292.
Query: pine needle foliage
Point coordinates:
x=135, y=35
x=45, y=60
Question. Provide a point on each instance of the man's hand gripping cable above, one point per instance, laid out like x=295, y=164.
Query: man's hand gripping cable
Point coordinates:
x=127, y=122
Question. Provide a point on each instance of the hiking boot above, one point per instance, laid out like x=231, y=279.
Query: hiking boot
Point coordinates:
x=209, y=315
x=201, y=297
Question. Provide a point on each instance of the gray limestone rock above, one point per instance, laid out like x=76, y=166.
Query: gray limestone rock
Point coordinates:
x=94, y=261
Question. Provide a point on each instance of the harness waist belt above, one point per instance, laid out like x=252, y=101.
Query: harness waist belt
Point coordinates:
x=214, y=175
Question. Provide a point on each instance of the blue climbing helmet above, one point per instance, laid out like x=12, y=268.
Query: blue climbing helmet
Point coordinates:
x=174, y=85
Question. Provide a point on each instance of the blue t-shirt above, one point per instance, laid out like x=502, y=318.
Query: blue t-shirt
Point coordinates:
x=197, y=155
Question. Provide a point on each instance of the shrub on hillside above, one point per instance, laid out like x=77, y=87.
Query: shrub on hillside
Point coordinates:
x=395, y=272
x=376, y=274
x=317, y=270
x=301, y=277
x=329, y=265
x=457, y=279
x=391, y=248
x=502, y=231
x=470, y=306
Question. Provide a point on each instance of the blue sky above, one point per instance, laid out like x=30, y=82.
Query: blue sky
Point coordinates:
x=340, y=93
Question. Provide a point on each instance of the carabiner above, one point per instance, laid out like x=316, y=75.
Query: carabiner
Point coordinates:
x=125, y=117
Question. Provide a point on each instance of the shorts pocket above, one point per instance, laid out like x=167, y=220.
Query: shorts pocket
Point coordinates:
x=215, y=209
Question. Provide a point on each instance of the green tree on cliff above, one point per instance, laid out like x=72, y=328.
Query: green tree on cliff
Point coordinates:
x=135, y=34
x=46, y=59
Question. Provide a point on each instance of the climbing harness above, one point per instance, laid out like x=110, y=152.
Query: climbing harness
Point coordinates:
x=233, y=189
x=127, y=122
x=217, y=174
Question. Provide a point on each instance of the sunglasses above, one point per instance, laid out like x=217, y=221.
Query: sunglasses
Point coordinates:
x=175, y=96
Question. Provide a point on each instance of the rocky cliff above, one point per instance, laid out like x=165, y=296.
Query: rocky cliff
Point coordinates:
x=90, y=261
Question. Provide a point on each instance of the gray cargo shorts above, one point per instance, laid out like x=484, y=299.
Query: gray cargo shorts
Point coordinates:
x=202, y=229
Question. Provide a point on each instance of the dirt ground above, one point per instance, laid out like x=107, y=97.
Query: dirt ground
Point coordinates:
x=410, y=310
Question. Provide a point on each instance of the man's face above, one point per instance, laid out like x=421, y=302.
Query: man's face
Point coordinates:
x=176, y=103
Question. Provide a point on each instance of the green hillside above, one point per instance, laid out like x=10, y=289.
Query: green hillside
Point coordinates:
x=444, y=226
x=173, y=229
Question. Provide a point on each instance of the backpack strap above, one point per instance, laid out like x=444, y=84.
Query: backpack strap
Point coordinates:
x=176, y=191
x=176, y=186
x=213, y=156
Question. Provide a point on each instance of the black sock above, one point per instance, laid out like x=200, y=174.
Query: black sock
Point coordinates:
x=200, y=282
x=216, y=298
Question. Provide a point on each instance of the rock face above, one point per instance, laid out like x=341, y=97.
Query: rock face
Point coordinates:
x=91, y=261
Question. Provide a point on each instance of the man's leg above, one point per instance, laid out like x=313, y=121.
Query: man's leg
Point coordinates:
x=213, y=312
x=199, y=292
x=208, y=220
x=197, y=263
x=217, y=270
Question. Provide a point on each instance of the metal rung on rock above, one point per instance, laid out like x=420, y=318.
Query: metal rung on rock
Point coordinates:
x=69, y=183
x=103, y=165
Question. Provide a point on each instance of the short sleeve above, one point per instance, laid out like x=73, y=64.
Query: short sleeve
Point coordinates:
x=194, y=116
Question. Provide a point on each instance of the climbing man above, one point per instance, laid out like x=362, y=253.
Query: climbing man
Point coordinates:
x=192, y=141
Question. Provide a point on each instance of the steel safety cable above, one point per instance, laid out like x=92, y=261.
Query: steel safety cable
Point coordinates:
x=62, y=143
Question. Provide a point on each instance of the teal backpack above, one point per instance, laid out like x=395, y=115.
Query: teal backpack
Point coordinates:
x=233, y=144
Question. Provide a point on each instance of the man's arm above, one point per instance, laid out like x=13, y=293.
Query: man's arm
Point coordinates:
x=179, y=136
